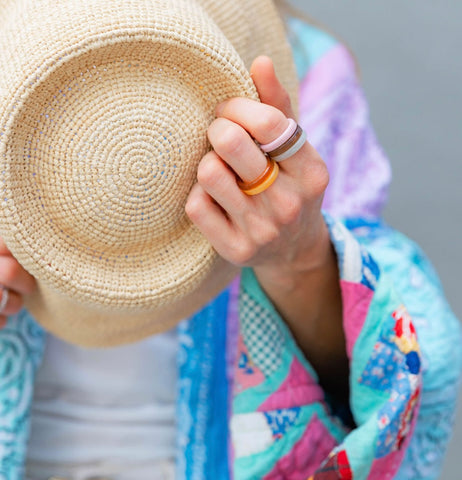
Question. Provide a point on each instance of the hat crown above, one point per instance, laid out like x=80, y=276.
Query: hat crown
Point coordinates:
x=113, y=107
x=104, y=110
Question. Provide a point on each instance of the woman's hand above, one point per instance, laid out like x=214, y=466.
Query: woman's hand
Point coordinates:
x=280, y=228
x=15, y=280
x=280, y=232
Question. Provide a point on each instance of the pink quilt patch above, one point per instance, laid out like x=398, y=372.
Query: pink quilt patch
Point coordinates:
x=298, y=389
x=307, y=455
x=356, y=300
x=386, y=467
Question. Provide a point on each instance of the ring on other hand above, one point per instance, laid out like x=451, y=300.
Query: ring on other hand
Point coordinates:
x=286, y=145
x=4, y=299
x=264, y=181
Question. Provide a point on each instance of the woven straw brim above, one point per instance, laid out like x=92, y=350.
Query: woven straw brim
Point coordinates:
x=104, y=112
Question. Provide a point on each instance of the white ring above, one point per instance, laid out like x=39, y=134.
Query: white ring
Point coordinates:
x=4, y=299
x=292, y=150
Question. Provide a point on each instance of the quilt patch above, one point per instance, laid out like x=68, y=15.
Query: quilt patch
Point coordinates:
x=394, y=367
x=247, y=375
x=337, y=467
x=307, y=454
x=299, y=388
x=281, y=420
x=355, y=262
x=406, y=339
x=262, y=335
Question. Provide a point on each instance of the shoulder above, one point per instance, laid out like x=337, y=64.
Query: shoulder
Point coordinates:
x=333, y=110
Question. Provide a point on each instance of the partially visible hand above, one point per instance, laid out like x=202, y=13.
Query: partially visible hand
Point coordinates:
x=281, y=229
x=16, y=280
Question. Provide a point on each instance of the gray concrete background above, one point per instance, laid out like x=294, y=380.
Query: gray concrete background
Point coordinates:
x=410, y=55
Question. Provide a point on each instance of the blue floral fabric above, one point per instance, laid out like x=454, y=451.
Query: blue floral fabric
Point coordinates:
x=21, y=349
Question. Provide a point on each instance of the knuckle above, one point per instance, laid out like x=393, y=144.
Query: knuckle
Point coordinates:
x=193, y=207
x=205, y=170
x=314, y=175
x=267, y=235
x=230, y=139
x=291, y=209
x=262, y=230
x=318, y=177
x=195, y=202
x=273, y=124
x=208, y=171
x=242, y=252
x=289, y=204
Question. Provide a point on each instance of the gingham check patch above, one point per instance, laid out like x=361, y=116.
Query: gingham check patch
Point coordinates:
x=262, y=335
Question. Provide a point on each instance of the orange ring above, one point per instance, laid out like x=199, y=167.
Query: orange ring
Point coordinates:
x=264, y=181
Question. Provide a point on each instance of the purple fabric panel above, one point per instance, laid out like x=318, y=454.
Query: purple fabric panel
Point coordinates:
x=335, y=115
x=232, y=335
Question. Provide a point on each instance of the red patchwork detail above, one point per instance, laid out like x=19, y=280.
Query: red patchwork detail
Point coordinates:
x=404, y=326
x=337, y=467
x=406, y=419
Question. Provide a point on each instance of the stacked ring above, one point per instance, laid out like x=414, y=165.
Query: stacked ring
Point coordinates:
x=264, y=181
x=287, y=144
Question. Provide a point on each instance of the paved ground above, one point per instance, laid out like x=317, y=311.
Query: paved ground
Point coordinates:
x=409, y=53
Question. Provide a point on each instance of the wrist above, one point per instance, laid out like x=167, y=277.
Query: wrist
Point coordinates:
x=317, y=259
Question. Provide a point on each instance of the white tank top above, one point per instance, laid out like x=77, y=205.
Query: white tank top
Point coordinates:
x=105, y=412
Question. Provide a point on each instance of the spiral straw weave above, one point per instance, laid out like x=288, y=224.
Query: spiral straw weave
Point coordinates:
x=104, y=107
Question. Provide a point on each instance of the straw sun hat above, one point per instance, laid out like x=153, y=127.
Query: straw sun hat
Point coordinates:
x=104, y=107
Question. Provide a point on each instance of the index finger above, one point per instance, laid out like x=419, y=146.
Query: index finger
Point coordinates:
x=265, y=124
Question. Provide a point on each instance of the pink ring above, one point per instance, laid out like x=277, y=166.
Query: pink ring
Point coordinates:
x=289, y=131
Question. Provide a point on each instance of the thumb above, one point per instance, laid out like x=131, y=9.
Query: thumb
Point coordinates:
x=268, y=86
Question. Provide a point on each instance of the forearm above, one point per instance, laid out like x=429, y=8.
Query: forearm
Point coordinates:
x=307, y=295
